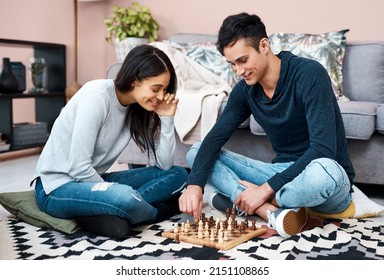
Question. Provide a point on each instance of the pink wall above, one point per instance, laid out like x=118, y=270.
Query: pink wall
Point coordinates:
x=52, y=21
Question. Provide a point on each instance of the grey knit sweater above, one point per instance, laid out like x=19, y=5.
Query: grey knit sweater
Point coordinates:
x=90, y=134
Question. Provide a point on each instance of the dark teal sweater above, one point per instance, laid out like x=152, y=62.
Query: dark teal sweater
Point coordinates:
x=302, y=121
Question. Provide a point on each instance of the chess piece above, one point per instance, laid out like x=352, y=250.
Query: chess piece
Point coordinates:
x=206, y=233
x=186, y=229
x=212, y=237
x=229, y=227
x=176, y=228
x=226, y=236
x=220, y=237
x=253, y=227
x=200, y=234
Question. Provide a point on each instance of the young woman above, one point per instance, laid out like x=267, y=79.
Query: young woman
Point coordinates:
x=93, y=129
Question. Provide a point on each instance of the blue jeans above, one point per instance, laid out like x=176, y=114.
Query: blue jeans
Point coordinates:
x=127, y=194
x=323, y=185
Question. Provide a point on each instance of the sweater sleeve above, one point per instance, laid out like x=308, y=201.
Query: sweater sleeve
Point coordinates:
x=236, y=111
x=165, y=148
x=315, y=92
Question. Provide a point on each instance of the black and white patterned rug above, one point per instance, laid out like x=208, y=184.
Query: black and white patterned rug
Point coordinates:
x=349, y=239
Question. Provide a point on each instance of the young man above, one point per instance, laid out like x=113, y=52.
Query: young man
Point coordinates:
x=292, y=99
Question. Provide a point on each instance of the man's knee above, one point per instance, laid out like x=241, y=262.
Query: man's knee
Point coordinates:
x=325, y=171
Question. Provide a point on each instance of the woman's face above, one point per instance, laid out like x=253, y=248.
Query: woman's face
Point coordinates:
x=148, y=93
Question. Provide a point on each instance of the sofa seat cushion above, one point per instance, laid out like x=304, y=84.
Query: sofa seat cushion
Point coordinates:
x=255, y=127
x=359, y=118
x=380, y=119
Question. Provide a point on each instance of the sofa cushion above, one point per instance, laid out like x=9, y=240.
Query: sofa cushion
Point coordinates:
x=208, y=56
x=363, y=71
x=202, y=49
x=113, y=70
x=327, y=48
x=255, y=127
x=380, y=119
x=359, y=118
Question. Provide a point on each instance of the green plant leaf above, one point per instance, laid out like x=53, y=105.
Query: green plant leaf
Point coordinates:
x=134, y=21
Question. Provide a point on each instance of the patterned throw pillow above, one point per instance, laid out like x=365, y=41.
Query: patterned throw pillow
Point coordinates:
x=326, y=48
x=207, y=55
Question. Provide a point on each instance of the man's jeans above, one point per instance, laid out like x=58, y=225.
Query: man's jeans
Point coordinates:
x=323, y=185
x=126, y=194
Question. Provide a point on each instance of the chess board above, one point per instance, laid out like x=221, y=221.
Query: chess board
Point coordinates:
x=222, y=233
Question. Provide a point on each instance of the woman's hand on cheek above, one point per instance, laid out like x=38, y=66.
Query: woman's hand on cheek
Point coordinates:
x=167, y=107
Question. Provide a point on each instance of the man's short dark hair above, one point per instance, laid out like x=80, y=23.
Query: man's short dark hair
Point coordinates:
x=243, y=25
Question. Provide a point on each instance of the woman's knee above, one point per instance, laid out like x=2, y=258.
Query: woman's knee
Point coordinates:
x=179, y=171
x=191, y=154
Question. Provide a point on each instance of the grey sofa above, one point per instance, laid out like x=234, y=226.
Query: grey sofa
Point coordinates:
x=363, y=115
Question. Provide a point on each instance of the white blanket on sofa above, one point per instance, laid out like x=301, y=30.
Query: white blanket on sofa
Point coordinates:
x=200, y=92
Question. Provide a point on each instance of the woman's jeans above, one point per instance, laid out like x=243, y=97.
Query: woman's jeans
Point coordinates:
x=127, y=194
x=323, y=185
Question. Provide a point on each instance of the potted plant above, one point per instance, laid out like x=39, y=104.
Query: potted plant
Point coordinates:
x=129, y=27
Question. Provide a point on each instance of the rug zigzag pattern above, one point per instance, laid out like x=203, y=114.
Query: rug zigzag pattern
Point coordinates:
x=337, y=239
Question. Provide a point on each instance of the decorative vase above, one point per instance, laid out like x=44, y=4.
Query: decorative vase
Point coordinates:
x=123, y=47
x=8, y=81
x=18, y=69
x=37, y=67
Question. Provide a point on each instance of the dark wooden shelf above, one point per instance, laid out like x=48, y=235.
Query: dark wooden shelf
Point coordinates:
x=48, y=105
x=13, y=42
x=30, y=95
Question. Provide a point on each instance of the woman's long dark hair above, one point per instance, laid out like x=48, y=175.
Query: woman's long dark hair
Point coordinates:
x=143, y=62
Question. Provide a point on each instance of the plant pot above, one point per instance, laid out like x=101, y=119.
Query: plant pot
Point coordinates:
x=123, y=47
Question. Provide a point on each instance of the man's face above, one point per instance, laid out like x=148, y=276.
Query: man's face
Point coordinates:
x=246, y=61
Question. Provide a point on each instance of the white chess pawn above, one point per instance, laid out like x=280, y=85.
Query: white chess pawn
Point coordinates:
x=212, y=237
x=176, y=228
x=226, y=236
x=221, y=240
x=229, y=226
x=186, y=228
